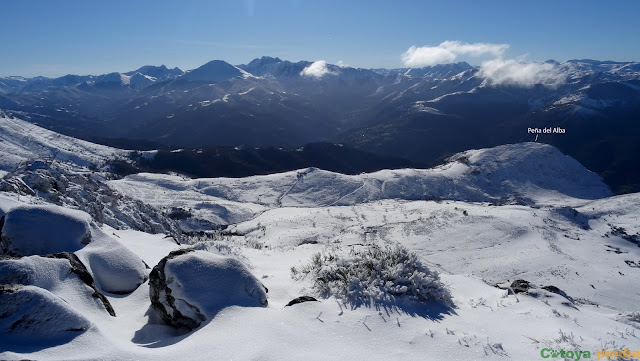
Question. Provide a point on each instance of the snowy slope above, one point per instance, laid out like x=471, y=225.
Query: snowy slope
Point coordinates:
x=486, y=323
x=21, y=141
x=70, y=172
x=525, y=172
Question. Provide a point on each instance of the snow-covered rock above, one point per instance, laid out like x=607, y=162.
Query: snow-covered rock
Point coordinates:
x=29, y=311
x=44, y=229
x=114, y=267
x=62, y=274
x=189, y=287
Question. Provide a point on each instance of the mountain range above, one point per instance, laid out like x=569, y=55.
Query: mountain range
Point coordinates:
x=423, y=115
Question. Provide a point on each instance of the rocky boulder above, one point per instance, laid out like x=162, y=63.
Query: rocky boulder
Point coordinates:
x=189, y=287
x=30, y=230
x=62, y=274
x=520, y=286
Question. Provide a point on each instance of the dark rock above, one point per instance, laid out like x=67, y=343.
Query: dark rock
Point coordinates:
x=66, y=230
x=179, y=213
x=9, y=288
x=556, y=290
x=159, y=291
x=632, y=264
x=520, y=286
x=622, y=233
x=300, y=300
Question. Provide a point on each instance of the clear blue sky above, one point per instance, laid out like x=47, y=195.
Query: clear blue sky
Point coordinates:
x=54, y=38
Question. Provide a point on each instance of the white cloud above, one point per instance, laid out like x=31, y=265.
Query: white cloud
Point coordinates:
x=448, y=51
x=496, y=71
x=526, y=74
x=317, y=69
x=342, y=64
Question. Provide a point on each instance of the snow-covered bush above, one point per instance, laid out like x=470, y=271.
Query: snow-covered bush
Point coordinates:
x=630, y=318
x=373, y=274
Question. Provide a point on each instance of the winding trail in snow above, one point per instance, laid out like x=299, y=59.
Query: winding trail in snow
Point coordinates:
x=346, y=195
x=279, y=200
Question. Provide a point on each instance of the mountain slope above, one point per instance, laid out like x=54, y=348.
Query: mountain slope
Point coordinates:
x=22, y=141
x=528, y=173
x=214, y=71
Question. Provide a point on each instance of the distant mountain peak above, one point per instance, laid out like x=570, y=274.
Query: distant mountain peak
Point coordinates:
x=213, y=71
x=159, y=72
x=274, y=66
x=266, y=60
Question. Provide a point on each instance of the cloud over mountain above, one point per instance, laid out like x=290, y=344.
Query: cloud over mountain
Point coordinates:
x=497, y=71
x=512, y=72
x=317, y=69
x=448, y=51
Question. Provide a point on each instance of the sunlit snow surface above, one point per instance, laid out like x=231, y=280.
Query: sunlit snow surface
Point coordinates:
x=522, y=211
x=21, y=141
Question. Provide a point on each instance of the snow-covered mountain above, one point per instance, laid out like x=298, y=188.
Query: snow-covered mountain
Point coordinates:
x=528, y=174
x=214, y=71
x=510, y=252
x=158, y=72
x=405, y=112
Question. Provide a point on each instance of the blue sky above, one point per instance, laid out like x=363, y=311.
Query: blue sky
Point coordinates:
x=54, y=38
